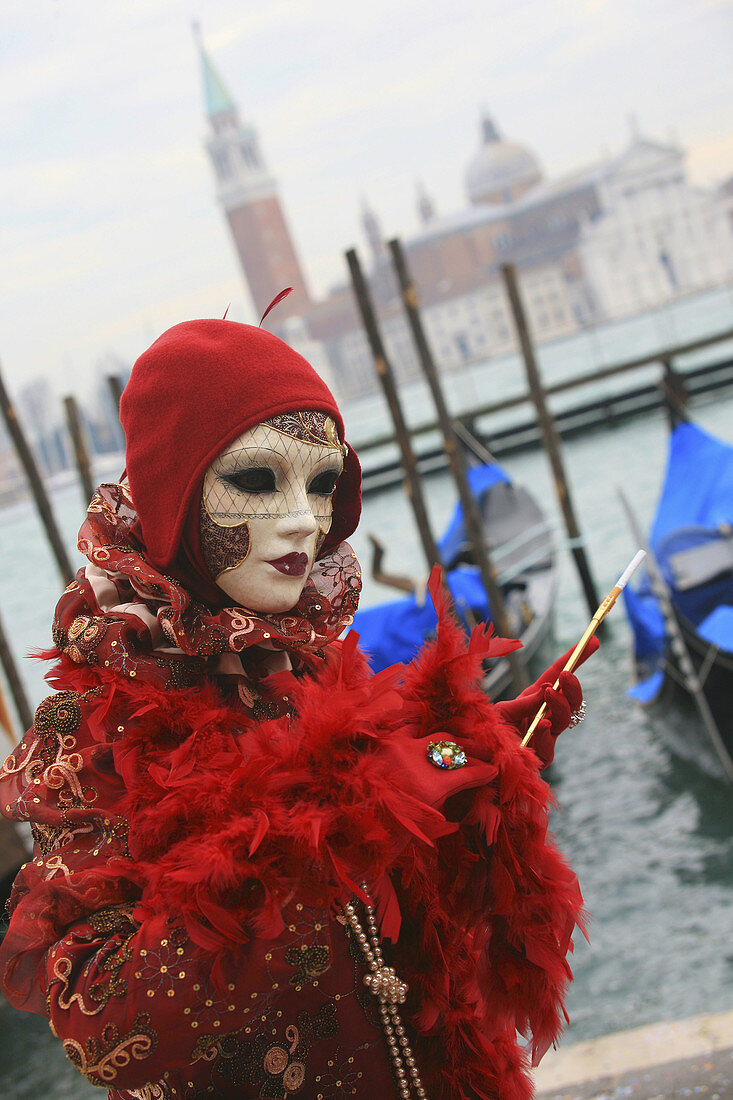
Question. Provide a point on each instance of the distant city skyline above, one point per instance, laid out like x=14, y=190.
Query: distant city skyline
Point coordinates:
x=111, y=230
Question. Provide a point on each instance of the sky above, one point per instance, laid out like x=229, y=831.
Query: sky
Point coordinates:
x=110, y=229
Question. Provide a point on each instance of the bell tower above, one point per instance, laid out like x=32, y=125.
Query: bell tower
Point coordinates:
x=248, y=194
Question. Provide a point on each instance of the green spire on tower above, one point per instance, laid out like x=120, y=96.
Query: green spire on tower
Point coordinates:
x=216, y=94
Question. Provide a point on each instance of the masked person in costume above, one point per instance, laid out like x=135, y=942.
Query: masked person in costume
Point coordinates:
x=250, y=878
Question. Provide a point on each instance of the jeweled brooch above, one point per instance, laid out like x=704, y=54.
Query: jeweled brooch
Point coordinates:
x=446, y=754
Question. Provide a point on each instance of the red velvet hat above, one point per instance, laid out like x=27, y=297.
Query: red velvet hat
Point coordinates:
x=198, y=387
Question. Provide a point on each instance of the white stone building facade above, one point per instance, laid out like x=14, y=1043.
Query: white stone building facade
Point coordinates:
x=657, y=235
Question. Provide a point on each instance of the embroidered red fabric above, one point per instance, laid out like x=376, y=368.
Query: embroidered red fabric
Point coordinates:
x=208, y=787
x=124, y=615
x=175, y=830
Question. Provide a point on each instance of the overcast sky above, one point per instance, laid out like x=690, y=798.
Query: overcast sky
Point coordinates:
x=111, y=231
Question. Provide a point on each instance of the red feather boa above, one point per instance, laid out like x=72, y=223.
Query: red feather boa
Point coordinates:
x=230, y=817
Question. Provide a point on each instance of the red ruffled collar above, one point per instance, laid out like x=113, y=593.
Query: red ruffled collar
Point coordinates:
x=123, y=614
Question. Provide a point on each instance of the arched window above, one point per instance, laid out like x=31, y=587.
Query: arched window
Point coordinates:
x=222, y=164
x=248, y=154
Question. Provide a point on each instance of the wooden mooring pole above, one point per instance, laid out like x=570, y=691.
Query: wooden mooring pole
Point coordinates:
x=81, y=454
x=550, y=438
x=675, y=395
x=413, y=485
x=6, y=721
x=14, y=683
x=115, y=388
x=457, y=463
x=28, y=463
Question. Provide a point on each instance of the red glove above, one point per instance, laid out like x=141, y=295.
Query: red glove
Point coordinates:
x=408, y=757
x=561, y=703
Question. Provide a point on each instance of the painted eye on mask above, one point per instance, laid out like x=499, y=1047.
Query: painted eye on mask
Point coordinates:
x=255, y=479
x=324, y=485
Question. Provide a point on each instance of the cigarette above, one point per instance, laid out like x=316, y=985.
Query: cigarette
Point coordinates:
x=603, y=608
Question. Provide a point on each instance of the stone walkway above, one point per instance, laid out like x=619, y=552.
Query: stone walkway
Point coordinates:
x=687, y=1058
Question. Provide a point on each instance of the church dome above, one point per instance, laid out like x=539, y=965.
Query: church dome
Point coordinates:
x=501, y=170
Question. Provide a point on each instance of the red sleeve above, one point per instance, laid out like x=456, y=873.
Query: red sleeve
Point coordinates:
x=129, y=1000
x=130, y=1005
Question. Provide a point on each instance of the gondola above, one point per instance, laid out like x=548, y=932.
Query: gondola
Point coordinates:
x=522, y=549
x=681, y=613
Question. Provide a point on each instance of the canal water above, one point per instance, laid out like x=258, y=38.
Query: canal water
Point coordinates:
x=651, y=837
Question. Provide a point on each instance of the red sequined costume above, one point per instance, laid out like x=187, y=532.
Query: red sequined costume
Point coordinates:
x=200, y=822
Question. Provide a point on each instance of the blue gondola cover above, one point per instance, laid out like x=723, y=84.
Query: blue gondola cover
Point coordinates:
x=480, y=479
x=393, y=632
x=695, y=509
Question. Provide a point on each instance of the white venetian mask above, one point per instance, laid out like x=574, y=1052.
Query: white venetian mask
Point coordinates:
x=267, y=506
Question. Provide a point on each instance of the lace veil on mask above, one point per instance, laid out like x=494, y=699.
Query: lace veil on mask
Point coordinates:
x=267, y=507
x=147, y=605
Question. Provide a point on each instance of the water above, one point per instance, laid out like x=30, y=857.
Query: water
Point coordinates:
x=679, y=322
x=650, y=838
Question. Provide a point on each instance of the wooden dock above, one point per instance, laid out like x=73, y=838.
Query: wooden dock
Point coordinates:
x=664, y=1061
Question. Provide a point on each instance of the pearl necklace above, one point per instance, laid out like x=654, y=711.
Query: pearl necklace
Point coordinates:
x=389, y=991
